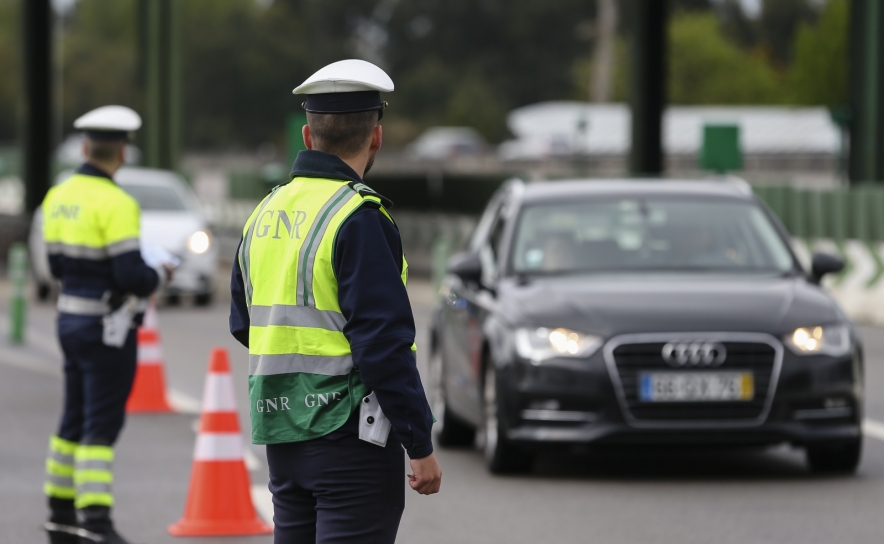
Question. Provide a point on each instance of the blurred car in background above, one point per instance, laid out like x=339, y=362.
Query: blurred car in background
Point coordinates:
x=440, y=143
x=171, y=218
x=641, y=312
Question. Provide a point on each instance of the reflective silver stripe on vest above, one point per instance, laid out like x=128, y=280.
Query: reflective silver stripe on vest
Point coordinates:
x=246, y=247
x=77, y=251
x=286, y=315
x=70, y=304
x=268, y=365
x=123, y=246
x=307, y=255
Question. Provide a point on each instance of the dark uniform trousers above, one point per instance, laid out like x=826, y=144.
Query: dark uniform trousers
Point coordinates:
x=98, y=379
x=337, y=489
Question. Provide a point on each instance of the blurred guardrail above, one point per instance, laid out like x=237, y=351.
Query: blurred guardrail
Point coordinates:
x=421, y=231
x=847, y=222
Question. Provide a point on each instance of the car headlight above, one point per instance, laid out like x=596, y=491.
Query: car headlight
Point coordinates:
x=827, y=339
x=199, y=242
x=541, y=344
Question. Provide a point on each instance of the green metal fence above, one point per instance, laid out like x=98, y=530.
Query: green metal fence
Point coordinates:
x=839, y=214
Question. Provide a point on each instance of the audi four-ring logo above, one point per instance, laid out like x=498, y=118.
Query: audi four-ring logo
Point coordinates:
x=694, y=353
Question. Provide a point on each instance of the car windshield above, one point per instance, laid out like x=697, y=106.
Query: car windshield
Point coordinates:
x=156, y=197
x=647, y=234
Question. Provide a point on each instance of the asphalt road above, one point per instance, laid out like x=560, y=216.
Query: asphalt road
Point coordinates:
x=679, y=496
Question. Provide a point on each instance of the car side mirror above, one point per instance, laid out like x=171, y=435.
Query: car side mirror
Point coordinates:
x=467, y=266
x=825, y=263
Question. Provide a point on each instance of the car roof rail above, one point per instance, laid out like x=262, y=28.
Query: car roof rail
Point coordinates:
x=738, y=183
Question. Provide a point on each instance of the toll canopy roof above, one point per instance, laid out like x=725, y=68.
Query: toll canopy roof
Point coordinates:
x=553, y=128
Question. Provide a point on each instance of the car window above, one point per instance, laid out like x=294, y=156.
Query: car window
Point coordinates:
x=648, y=234
x=156, y=197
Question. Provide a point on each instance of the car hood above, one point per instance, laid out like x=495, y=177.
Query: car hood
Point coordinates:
x=170, y=230
x=629, y=303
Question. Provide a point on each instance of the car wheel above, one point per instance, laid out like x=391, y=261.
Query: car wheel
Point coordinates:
x=203, y=299
x=501, y=455
x=43, y=291
x=841, y=456
x=450, y=431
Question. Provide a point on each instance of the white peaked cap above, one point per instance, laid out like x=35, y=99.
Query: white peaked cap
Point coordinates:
x=109, y=118
x=346, y=76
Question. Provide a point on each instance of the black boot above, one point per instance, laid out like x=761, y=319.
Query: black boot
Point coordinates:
x=96, y=526
x=62, y=525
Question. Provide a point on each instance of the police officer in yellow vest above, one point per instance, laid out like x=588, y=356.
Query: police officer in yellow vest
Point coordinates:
x=318, y=297
x=91, y=228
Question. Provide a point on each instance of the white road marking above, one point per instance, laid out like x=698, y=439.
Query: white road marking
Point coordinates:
x=263, y=501
x=253, y=464
x=873, y=429
x=183, y=403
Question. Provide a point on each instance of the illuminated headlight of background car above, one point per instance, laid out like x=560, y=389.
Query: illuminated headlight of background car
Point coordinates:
x=541, y=344
x=199, y=242
x=826, y=339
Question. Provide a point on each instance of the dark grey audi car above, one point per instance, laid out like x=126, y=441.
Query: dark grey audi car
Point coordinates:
x=641, y=312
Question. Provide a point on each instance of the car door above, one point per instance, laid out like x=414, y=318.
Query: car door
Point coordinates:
x=467, y=307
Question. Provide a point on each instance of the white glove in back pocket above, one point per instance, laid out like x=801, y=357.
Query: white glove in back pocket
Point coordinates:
x=374, y=427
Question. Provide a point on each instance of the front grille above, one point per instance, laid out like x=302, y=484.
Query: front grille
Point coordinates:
x=630, y=359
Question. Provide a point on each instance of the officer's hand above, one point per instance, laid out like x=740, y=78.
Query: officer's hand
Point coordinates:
x=427, y=475
x=170, y=271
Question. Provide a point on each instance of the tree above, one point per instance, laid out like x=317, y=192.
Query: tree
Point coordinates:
x=705, y=68
x=777, y=24
x=10, y=66
x=100, y=59
x=819, y=69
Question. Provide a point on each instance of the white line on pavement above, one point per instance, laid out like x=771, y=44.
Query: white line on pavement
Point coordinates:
x=253, y=464
x=183, y=403
x=873, y=429
x=263, y=501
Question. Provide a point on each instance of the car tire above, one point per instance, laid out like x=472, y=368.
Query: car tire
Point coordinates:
x=501, y=455
x=203, y=299
x=841, y=456
x=450, y=431
x=173, y=299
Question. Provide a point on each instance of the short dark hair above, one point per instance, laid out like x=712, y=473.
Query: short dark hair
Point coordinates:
x=103, y=151
x=342, y=134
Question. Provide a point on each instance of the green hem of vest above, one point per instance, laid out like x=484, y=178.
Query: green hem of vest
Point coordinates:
x=302, y=438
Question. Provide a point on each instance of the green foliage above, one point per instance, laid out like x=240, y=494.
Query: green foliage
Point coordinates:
x=10, y=65
x=819, y=69
x=777, y=25
x=704, y=68
x=103, y=71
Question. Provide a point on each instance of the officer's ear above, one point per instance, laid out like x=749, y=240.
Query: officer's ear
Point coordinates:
x=377, y=138
x=308, y=138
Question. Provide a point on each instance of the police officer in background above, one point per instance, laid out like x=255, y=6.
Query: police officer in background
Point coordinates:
x=91, y=228
x=318, y=297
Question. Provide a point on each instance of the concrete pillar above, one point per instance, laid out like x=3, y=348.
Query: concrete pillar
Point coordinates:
x=37, y=98
x=648, y=94
x=866, y=161
x=162, y=72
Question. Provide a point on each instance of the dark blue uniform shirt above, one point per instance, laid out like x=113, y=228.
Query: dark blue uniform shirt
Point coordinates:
x=380, y=325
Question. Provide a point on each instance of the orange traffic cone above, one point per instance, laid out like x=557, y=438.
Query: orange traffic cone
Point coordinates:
x=149, y=389
x=219, y=501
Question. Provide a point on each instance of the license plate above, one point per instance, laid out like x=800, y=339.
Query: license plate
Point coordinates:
x=696, y=386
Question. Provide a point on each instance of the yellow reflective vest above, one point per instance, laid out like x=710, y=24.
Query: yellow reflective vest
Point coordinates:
x=302, y=381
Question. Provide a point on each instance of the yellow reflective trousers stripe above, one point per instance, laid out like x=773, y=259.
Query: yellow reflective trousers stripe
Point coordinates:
x=60, y=469
x=93, y=476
